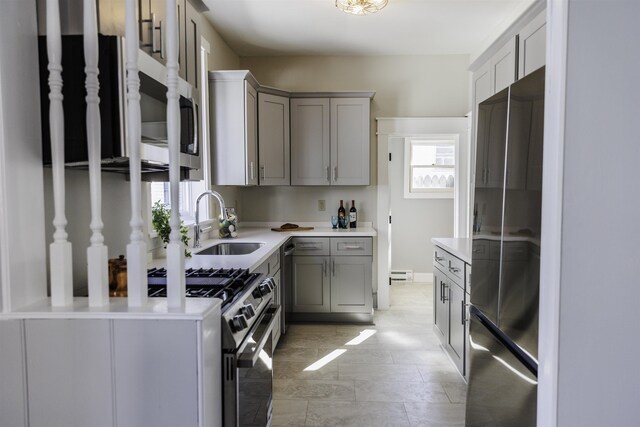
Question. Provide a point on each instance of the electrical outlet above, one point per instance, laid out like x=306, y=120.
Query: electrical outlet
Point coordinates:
x=322, y=206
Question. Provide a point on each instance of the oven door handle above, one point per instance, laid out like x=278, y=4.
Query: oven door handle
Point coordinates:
x=249, y=359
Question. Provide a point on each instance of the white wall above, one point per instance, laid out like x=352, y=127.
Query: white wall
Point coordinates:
x=22, y=243
x=590, y=266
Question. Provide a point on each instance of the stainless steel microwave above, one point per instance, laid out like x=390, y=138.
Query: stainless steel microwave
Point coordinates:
x=113, y=110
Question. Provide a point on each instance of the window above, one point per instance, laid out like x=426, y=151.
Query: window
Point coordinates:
x=430, y=167
x=189, y=191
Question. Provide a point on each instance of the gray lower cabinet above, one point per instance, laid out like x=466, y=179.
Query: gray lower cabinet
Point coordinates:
x=332, y=276
x=449, y=306
x=351, y=284
x=311, y=284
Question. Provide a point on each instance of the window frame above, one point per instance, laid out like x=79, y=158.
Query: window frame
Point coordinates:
x=430, y=193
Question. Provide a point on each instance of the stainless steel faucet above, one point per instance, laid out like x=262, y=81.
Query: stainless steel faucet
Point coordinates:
x=223, y=210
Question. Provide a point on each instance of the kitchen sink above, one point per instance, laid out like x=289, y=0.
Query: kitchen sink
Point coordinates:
x=231, y=249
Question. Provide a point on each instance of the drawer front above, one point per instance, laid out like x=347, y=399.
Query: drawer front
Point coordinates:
x=311, y=246
x=440, y=258
x=351, y=246
x=455, y=269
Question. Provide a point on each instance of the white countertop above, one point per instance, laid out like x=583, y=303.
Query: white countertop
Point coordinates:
x=263, y=234
x=460, y=247
x=156, y=308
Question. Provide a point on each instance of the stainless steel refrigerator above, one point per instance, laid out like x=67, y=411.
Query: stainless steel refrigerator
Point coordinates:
x=503, y=328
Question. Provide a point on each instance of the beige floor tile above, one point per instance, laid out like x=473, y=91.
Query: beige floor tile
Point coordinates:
x=313, y=389
x=457, y=392
x=289, y=412
x=296, y=371
x=435, y=414
x=311, y=328
x=378, y=391
x=440, y=374
x=289, y=354
x=363, y=414
x=379, y=372
x=421, y=357
x=359, y=355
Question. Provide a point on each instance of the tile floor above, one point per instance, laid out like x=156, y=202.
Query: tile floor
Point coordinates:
x=398, y=376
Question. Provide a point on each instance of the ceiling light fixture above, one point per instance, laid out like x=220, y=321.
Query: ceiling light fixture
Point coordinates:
x=361, y=7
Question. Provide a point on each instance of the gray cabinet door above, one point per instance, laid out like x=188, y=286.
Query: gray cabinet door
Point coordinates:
x=532, y=39
x=350, y=141
x=456, y=325
x=310, y=141
x=440, y=305
x=273, y=139
x=311, y=285
x=351, y=290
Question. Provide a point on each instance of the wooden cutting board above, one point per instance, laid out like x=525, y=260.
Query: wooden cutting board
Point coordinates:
x=292, y=229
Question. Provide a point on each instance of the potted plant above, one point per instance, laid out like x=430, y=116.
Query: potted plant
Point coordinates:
x=160, y=215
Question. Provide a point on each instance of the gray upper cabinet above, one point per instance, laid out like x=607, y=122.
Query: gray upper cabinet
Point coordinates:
x=310, y=141
x=350, y=141
x=532, y=45
x=330, y=141
x=234, y=128
x=503, y=65
x=273, y=140
x=191, y=59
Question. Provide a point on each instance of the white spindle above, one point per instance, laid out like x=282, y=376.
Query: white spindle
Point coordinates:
x=97, y=253
x=137, y=247
x=175, y=248
x=60, y=249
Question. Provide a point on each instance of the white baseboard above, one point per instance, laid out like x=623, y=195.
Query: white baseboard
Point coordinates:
x=423, y=277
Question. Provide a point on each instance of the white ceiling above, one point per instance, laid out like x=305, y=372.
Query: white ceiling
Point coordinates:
x=404, y=27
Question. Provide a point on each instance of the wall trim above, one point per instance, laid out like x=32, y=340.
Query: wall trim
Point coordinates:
x=552, y=206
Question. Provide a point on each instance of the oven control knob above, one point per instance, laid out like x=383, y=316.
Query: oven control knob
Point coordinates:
x=265, y=288
x=239, y=322
x=247, y=311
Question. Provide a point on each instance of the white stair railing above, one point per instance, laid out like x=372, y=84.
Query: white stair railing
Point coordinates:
x=137, y=247
x=175, y=248
x=97, y=253
x=60, y=250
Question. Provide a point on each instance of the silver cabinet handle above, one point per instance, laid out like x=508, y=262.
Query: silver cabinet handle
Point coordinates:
x=310, y=245
x=441, y=258
x=325, y=268
x=335, y=173
x=333, y=267
x=454, y=269
x=349, y=247
x=445, y=297
x=262, y=172
x=328, y=174
x=441, y=291
x=462, y=310
x=252, y=173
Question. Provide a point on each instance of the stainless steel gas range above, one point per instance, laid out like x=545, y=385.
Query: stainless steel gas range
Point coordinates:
x=249, y=313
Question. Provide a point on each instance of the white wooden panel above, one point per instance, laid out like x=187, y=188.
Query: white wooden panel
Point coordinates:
x=251, y=123
x=156, y=374
x=532, y=45
x=69, y=372
x=350, y=143
x=210, y=399
x=310, y=141
x=503, y=66
x=13, y=387
x=351, y=284
x=273, y=139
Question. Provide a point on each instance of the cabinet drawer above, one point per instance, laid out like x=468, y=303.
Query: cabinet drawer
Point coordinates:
x=455, y=269
x=440, y=258
x=351, y=246
x=311, y=246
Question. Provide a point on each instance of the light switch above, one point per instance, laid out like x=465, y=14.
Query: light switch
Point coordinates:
x=322, y=205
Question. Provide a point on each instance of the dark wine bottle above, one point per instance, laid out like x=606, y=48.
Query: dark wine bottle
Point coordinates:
x=353, y=215
x=341, y=215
